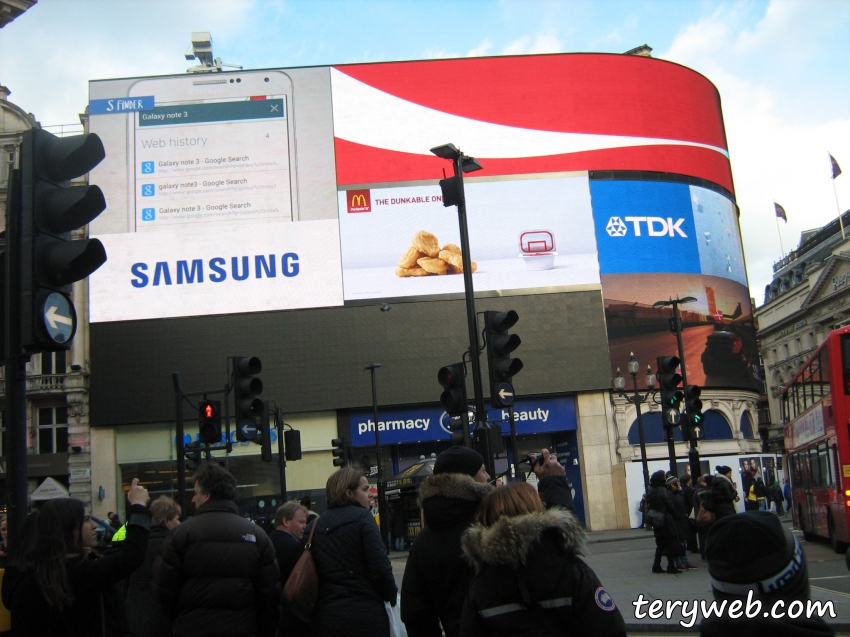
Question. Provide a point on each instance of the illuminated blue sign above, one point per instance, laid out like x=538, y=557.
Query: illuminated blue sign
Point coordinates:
x=644, y=227
x=430, y=422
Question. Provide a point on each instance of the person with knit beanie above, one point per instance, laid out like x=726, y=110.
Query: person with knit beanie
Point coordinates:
x=437, y=577
x=753, y=556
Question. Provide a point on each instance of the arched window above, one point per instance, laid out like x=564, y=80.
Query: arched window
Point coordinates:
x=716, y=428
x=747, y=426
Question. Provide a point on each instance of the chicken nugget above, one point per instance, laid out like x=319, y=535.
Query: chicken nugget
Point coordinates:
x=406, y=272
x=454, y=259
x=434, y=266
x=427, y=243
x=454, y=270
x=452, y=248
x=409, y=258
x=474, y=266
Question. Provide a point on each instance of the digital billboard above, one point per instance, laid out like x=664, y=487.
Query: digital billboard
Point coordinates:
x=235, y=196
x=204, y=214
x=524, y=235
x=659, y=241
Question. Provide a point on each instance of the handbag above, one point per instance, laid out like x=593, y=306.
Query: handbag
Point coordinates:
x=301, y=590
x=704, y=516
x=654, y=518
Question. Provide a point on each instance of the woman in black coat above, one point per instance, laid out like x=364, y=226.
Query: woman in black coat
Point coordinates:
x=355, y=574
x=143, y=613
x=723, y=493
x=667, y=539
x=529, y=579
x=58, y=587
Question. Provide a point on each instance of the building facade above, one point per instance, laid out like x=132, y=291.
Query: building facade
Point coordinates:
x=290, y=214
x=807, y=299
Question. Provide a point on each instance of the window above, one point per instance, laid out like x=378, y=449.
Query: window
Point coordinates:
x=53, y=363
x=53, y=429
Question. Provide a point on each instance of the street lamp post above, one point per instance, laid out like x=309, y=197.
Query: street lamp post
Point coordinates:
x=381, y=505
x=637, y=400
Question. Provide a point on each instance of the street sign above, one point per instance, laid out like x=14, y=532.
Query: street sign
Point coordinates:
x=248, y=429
x=60, y=319
x=505, y=394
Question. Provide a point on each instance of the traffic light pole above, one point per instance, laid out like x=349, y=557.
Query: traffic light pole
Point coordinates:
x=693, y=452
x=15, y=417
x=471, y=318
x=181, y=448
x=381, y=504
x=278, y=421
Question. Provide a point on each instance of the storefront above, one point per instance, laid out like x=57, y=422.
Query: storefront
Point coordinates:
x=410, y=433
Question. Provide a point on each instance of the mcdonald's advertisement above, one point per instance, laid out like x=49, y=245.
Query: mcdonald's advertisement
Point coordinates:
x=527, y=235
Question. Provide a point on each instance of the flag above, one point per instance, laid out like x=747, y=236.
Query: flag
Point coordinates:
x=836, y=169
x=780, y=212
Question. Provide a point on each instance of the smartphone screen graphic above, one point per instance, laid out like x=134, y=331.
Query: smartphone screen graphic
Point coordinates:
x=213, y=159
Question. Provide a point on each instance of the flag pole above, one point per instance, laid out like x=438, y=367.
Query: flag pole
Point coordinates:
x=836, y=170
x=781, y=247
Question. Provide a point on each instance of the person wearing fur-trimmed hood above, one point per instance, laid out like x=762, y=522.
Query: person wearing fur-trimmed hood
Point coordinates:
x=436, y=577
x=529, y=578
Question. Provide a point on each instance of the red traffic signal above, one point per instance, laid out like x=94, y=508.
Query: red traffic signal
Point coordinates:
x=209, y=421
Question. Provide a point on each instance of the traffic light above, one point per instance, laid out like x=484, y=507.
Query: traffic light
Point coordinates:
x=501, y=366
x=456, y=427
x=340, y=452
x=292, y=444
x=192, y=452
x=249, y=409
x=51, y=208
x=453, y=379
x=209, y=421
x=694, y=418
x=668, y=383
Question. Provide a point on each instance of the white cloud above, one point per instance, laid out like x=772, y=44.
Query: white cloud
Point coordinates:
x=543, y=43
x=480, y=50
x=777, y=147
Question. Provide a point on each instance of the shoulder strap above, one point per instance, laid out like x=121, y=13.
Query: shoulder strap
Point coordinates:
x=312, y=530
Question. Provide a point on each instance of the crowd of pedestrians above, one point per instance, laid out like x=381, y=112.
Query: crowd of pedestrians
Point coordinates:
x=490, y=560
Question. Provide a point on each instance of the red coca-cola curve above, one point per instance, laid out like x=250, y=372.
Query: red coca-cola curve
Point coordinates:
x=582, y=93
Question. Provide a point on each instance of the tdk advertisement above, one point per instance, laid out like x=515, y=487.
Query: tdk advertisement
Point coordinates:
x=644, y=227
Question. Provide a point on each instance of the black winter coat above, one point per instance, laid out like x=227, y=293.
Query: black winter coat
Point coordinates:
x=92, y=580
x=288, y=549
x=530, y=582
x=216, y=575
x=723, y=496
x=355, y=575
x=143, y=613
x=660, y=499
x=436, y=578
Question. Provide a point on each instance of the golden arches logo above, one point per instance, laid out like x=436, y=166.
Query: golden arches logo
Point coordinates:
x=358, y=201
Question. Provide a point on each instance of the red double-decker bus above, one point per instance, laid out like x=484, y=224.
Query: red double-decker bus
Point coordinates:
x=816, y=412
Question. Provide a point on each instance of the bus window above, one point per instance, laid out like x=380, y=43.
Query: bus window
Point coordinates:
x=824, y=469
x=815, y=380
x=845, y=361
x=805, y=388
x=812, y=461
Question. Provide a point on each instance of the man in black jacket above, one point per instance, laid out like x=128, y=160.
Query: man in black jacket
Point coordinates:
x=437, y=577
x=290, y=520
x=216, y=573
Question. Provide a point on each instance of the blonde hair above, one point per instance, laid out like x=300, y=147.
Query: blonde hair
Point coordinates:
x=163, y=509
x=513, y=499
x=346, y=479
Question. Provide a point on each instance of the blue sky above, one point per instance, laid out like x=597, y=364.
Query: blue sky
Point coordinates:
x=782, y=68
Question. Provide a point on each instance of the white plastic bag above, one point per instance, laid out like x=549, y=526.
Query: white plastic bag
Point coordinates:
x=397, y=628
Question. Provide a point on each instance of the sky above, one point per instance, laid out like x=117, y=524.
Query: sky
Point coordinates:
x=782, y=68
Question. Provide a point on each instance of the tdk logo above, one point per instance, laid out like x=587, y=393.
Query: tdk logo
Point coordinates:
x=655, y=227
